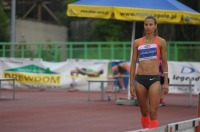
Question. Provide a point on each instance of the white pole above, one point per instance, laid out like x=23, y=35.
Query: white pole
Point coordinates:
x=132, y=41
x=13, y=27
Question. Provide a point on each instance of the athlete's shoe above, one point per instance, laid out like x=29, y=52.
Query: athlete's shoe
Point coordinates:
x=162, y=103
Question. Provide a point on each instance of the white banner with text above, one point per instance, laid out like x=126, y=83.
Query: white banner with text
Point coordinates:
x=36, y=73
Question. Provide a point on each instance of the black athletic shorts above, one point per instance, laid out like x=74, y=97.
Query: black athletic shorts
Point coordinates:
x=147, y=80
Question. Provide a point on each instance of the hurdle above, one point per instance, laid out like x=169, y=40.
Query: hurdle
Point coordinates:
x=125, y=101
x=159, y=129
x=183, y=126
x=13, y=84
x=101, y=81
x=190, y=85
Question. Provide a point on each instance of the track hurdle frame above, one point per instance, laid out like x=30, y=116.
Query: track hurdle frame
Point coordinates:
x=13, y=84
x=183, y=126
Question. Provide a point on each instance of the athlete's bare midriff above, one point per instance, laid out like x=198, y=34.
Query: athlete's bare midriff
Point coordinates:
x=148, y=67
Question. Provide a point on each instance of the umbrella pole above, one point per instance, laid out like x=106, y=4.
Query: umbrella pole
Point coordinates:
x=13, y=27
x=128, y=101
x=132, y=42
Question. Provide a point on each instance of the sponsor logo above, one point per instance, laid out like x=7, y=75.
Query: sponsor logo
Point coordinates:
x=187, y=18
x=147, y=46
x=33, y=74
x=185, y=78
x=187, y=70
x=151, y=79
x=187, y=73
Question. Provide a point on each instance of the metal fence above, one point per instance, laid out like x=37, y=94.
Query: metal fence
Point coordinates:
x=60, y=51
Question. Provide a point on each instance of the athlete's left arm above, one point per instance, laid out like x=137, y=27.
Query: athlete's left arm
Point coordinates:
x=163, y=52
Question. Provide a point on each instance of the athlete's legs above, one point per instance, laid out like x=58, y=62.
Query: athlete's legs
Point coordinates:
x=121, y=81
x=115, y=69
x=154, y=99
x=142, y=96
x=81, y=71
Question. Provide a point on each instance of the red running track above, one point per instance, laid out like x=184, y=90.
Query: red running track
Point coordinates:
x=63, y=111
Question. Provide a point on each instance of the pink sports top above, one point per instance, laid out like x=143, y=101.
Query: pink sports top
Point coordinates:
x=148, y=51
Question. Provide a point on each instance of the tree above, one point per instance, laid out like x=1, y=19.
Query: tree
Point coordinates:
x=111, y=30
x=3, y=24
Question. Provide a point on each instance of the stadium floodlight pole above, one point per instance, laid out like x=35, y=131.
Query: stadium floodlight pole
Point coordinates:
x=13, y=27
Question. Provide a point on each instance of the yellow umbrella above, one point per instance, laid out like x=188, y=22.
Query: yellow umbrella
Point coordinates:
x=165, y=11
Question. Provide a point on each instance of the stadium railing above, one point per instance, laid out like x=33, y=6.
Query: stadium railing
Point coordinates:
x=60, y=51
